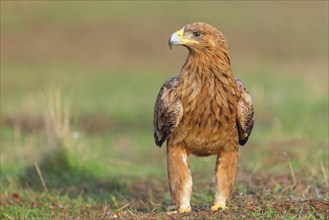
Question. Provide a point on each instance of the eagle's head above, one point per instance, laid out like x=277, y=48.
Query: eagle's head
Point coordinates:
x=198, y=36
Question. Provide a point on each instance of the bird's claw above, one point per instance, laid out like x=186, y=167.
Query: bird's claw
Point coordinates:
x=184, y=210
x=180, y=210
x=217, y=207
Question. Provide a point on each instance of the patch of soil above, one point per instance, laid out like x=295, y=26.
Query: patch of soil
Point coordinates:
x=302, y=207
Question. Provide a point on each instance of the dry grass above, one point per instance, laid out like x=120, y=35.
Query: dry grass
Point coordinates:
x=105, y=166
x=58, y=119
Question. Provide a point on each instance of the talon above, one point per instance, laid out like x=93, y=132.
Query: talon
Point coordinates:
x=184, y=210
x=217, y=207
x=180, y=210
x=172, y=212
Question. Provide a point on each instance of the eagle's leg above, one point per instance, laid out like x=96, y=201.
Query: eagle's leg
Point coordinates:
x=179, y=176
x=225, y=175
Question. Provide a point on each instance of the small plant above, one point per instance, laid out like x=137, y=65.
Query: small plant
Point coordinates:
x=58, y=120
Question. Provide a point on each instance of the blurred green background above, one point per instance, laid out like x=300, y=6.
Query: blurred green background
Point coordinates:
x=109, y=59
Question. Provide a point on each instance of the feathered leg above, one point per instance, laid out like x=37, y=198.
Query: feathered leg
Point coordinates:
x=179, y=176
x=225, y=175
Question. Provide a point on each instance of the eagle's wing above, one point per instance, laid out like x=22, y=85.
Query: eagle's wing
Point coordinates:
x=168, y=111
x=245, y=113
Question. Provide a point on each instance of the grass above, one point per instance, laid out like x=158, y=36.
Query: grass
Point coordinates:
x=98, y=170
x=76, y=110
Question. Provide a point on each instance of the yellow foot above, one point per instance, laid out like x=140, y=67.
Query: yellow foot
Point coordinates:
x=171, y=212
x=184, y=210
x=217, y=207
x=180, y=210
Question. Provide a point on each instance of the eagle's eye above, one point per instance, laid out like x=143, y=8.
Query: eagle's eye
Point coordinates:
x=197, y=33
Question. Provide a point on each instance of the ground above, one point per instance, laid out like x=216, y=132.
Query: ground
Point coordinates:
x=78, y=85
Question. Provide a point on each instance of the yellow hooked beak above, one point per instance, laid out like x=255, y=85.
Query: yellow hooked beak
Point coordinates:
x=177, y=39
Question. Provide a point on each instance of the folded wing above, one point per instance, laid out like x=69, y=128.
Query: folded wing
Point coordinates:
x=245, y=114
x=168, y=111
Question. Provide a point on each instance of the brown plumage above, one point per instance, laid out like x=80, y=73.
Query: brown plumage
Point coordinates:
x=204, y=111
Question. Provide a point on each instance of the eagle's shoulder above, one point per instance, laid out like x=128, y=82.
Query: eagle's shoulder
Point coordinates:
x=168, y=111
x=245, y=113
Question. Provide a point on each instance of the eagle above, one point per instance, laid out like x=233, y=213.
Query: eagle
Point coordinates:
x=203, y=111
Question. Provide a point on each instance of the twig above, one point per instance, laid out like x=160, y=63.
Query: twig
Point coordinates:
x=135, y=216
x=40, y=176
x=292, y=174
x=324, y=173
x=105, y=210
x=8, y=216
x=123, y=207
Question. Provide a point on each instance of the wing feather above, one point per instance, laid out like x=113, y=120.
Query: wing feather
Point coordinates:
x=245, y=114
x=168, y=111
